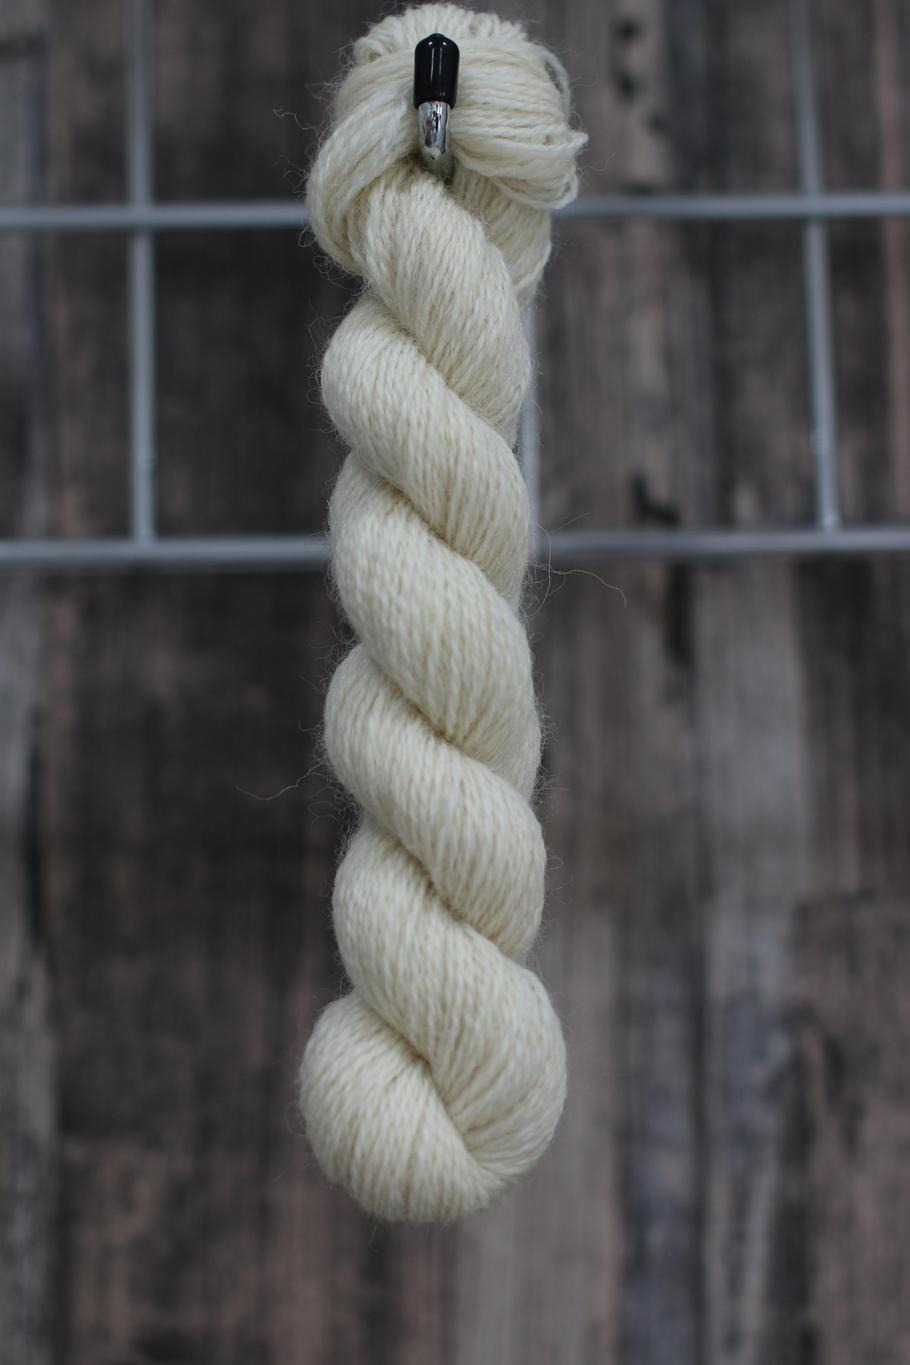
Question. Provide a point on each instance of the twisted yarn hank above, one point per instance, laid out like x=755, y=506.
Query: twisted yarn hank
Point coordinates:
x=440, y=1077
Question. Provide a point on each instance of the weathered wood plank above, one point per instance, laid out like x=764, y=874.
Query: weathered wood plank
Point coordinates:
x=628, y=912
x=28, y=1112
x=85, y=369
x=28, y=1117
x=176, y=902
x=755, y=843
x=854, y=1076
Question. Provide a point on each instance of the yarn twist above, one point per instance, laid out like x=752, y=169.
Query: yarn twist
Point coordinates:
x=441, y=1076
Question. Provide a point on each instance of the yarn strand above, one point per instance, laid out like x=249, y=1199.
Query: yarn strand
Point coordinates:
x=440, y=1077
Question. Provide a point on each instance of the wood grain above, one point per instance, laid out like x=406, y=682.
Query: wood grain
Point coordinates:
x=29, y=1128
x=725, y=779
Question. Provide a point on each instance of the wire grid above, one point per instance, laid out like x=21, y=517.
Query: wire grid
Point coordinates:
x=142, y=218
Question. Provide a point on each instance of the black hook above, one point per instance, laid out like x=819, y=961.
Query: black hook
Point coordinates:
x=436, y=71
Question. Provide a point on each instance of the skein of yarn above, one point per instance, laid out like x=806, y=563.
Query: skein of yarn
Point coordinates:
x=440, y=1077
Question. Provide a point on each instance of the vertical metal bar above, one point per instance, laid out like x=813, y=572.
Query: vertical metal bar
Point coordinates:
x=817, y=277
x=529, y=437
x=138, y=28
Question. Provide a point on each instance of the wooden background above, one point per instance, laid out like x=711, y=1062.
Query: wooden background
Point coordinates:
x=726, y=784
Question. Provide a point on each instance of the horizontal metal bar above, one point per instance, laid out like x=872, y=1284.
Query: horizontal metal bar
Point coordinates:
x=778, y=542
x=683, y=208
x=212, y=554
x=155, y=217
x=166, y=553
x=695, y=208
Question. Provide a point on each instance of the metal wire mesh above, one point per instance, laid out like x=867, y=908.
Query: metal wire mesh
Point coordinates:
x=142, y=218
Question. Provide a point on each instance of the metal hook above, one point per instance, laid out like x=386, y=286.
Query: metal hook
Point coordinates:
x=435, y=89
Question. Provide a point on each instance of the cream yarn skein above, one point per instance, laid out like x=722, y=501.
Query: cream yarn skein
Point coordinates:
x=440, y=1078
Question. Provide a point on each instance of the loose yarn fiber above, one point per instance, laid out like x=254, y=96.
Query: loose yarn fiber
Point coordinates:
x=440, y=1078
